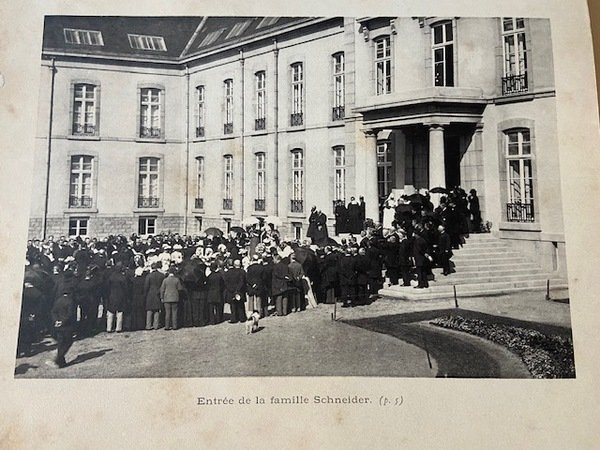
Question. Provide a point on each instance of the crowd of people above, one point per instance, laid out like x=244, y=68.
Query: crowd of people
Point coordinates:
x=87, y=285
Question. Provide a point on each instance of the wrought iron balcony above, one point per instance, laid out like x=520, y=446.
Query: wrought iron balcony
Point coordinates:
x=337, y=113
x=228, y=204
x=148, y=202
x=199, y=203
x=296, y=119
x=514, y=84
x=297, y=206
x=520, y=212
x=260, y=124
x=199, y=131
x=87, y=129
x=80, y=202
x=259, y=204
x=150, y=132
x=228, y=128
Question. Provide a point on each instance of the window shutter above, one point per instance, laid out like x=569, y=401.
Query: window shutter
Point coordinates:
x=162, y=113
x=71, y=110
x=138, y=116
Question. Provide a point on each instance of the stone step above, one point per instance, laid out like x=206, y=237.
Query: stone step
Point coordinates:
x=469, y=253
x=486, y=278
x=496, y=260
x=473, y=290
x=490, y=272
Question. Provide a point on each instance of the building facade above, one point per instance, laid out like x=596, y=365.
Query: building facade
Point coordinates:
x=156, y=124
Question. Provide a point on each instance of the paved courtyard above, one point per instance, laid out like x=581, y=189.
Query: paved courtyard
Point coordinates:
x=389, y=338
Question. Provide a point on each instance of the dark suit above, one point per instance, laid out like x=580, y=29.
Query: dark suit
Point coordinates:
x=421, y=261
x=235, y=285
x=280, y=287
x=347, y=276
x=214, y=297
x=64, y=317
x=362, y=266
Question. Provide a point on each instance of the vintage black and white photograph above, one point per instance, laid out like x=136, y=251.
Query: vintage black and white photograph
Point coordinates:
x=220, y=196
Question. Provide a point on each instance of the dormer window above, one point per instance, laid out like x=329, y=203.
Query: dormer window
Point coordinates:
x=141, y=42
x=267, y=22
x=83, y=37
x=238, y=29
x=211, y=37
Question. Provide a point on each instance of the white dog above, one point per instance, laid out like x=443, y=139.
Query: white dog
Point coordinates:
x=252, y=322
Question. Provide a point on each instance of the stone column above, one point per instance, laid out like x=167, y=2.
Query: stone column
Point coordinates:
x=437, y=168
x=371, y=191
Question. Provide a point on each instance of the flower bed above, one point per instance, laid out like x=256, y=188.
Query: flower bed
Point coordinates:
x=545, y=356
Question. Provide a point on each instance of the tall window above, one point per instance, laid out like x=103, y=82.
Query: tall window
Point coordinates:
x=261, y=99
x=259, y=202
x=78, y=226
x=80, y=190
x=339, y=167
x=520, y=179
x=228, y=182
x=199, y=201
x=443, y=54
x=84, y=109
x=150, y=112
x=515, y=55
x=228, y=126
x=383, y=65
x=338, y=86
x=200, y=111
x=297, y=204
x=384, y=169
x=148, y=187
x=297, y=116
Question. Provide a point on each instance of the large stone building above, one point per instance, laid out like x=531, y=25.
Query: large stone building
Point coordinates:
x=152, y=124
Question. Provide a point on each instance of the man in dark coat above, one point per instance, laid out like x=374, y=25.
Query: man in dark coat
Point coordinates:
x=375, y=256
x=444, y=249
x=422, y=258
x=390, y=249
x=347, y=278
x=267, y=278
x=152, y=285
x=119, y=297
x=362, y=267
x=255, y=288
x=214, y=294
x=64, y=316
x=405, y=252
x=341, y=218
x=329, y=274
x=89, y=291
x=280, y=285
x=297, y=288
x=474, y=211
x=235, y=291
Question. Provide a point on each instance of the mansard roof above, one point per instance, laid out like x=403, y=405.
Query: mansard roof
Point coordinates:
x=183, y=37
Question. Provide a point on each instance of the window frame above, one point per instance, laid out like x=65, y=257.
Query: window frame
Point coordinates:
x=297, y=77
x=515, y=70
x=339, y=85
x=81, y=199
x=526, y=175
x=447, y=47
x=228, y=181
x=144, y=193
x=261, y=181
x=297, y=183
x=200, y=182
x=80, y=35
x=339, y=173
x=78, y=226
x=384, y=184
x=147, y=42
x=146, y=113
x=385, y=62
x=145, y=220
x=84, y=102
x=228, y=106
x=260, y=86
x=200, y=110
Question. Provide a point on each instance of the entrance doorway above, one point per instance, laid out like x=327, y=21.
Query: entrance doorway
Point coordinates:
x=452, y=157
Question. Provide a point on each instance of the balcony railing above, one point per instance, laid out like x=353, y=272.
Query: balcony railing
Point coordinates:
x=296, y=119
x=520, y=212
x=199, y=131
x=148, y=202
x=259, y=204
x=260, y=124
x=297, y=206
x=199, y=203
x=337, y=113
x=514, y=84
x=228, y=204
x=80, y=202
x=228, y=128
x=150, y=132
x=87, y=129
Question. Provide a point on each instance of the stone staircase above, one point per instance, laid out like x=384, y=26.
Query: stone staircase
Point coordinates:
x=485, y=266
